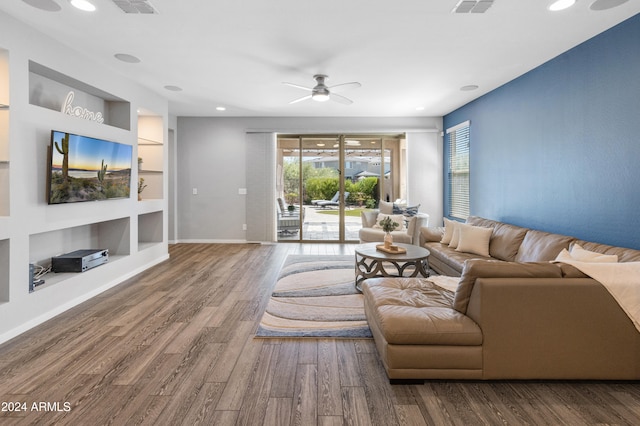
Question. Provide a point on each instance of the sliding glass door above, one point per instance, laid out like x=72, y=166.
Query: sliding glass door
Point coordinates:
x=324, y=182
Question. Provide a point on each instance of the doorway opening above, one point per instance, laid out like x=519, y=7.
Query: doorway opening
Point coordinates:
x=324, y=182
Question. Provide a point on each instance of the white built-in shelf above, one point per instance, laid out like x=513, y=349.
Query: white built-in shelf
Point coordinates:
x=150, y=205
x=148, y=142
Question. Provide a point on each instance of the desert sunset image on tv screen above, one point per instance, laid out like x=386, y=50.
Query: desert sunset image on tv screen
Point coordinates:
x=88, y=169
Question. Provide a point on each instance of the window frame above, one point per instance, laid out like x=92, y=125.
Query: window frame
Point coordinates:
x=458, y=171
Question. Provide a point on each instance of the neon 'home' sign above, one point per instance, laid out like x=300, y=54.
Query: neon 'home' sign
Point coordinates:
x=77, y=111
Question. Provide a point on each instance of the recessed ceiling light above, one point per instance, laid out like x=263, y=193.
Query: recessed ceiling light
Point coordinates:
x=83, y=5
x=561, y=5
x=606, y=4
x=124, y=57
x=173, y=88
x=221, y=109
x=469, y=88
x=420, y=108
x=46, y=5
x=319, y=144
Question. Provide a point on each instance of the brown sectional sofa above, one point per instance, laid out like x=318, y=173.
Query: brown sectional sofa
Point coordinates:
x=513, y=315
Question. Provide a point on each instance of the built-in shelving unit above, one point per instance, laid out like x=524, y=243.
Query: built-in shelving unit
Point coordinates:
x=31, y=230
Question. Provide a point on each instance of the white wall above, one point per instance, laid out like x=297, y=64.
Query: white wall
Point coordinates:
x=33, y=230
x=425, y=168
x=212, y=158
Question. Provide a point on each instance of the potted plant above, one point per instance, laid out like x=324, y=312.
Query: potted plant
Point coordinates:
x=141, y=187
x=291, y=208
x=388, y=226
x=139, y=163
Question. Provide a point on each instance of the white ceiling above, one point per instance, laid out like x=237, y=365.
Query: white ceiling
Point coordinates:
x=237, y=53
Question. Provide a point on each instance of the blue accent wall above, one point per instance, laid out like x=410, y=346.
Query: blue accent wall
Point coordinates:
x=558, y=149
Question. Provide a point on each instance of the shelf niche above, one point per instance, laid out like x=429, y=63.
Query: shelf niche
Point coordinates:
x=150, y=227
x=151, y=150
x=50, y=89
x=4, y=270
x=112, y=235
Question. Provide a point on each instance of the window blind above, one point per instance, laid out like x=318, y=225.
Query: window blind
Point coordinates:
x=458, y=170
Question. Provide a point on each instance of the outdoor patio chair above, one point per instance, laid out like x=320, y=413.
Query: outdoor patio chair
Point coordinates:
x=288, y=220
x=333, y=202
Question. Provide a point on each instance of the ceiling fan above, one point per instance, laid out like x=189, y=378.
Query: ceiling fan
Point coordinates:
x=322, y=93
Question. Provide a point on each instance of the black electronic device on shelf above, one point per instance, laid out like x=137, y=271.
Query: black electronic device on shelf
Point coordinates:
x=79, y=260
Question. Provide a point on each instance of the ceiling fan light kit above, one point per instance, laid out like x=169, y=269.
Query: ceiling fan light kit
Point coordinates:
x=322, y=93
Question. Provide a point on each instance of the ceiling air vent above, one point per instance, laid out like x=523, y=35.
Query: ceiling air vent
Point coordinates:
x=471, y=6
x=136, y=6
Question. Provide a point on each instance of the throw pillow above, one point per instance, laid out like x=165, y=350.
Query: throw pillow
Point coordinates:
x=455, y=236
x=448, y=231
x=397, y=218
x=578, y=253
x=385, y=207
x=474, y=239
x=406, y=211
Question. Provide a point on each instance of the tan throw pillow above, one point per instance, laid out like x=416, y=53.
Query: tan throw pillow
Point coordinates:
x=448, y=231
x=455, y=236
x=474, y=239
x=397, y=218
x=578, y=253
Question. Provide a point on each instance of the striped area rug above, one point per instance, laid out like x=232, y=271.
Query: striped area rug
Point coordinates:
x=315, y=296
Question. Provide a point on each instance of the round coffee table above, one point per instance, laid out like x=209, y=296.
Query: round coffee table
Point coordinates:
x=371, y=262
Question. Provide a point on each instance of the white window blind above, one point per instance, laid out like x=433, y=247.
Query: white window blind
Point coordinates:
x=458, y=170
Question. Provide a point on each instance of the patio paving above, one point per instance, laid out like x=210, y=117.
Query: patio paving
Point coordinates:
x=318, y=226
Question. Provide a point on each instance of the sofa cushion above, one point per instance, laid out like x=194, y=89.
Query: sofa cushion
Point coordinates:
x=479, y=268
x=442, y=254
x=539, y=246
x=505, y=240
x=432, y=233
x=414, y=311
x=474, y=239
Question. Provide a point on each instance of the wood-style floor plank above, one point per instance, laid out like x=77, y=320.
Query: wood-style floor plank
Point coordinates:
x=176, y=345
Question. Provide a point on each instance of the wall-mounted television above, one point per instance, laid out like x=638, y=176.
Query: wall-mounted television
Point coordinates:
x=87, y=169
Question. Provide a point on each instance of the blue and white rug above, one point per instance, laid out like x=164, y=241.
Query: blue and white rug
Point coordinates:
x=315, y=296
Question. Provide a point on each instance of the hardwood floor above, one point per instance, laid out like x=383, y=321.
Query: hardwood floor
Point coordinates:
x=176, y=345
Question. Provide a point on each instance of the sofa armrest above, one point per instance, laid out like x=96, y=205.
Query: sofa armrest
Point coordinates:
x=368, y=217
x=553, y=328
x=416, y=223
x=431, y=234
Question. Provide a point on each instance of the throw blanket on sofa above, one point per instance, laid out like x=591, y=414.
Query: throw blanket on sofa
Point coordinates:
x=622, y=280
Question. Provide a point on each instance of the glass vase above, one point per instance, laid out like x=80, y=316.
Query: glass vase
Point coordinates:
x=388, y=240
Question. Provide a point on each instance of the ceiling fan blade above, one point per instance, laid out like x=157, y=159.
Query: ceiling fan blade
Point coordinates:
x=345, y=86
x=297, y=86
x=304, y=98
x=341, y=99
